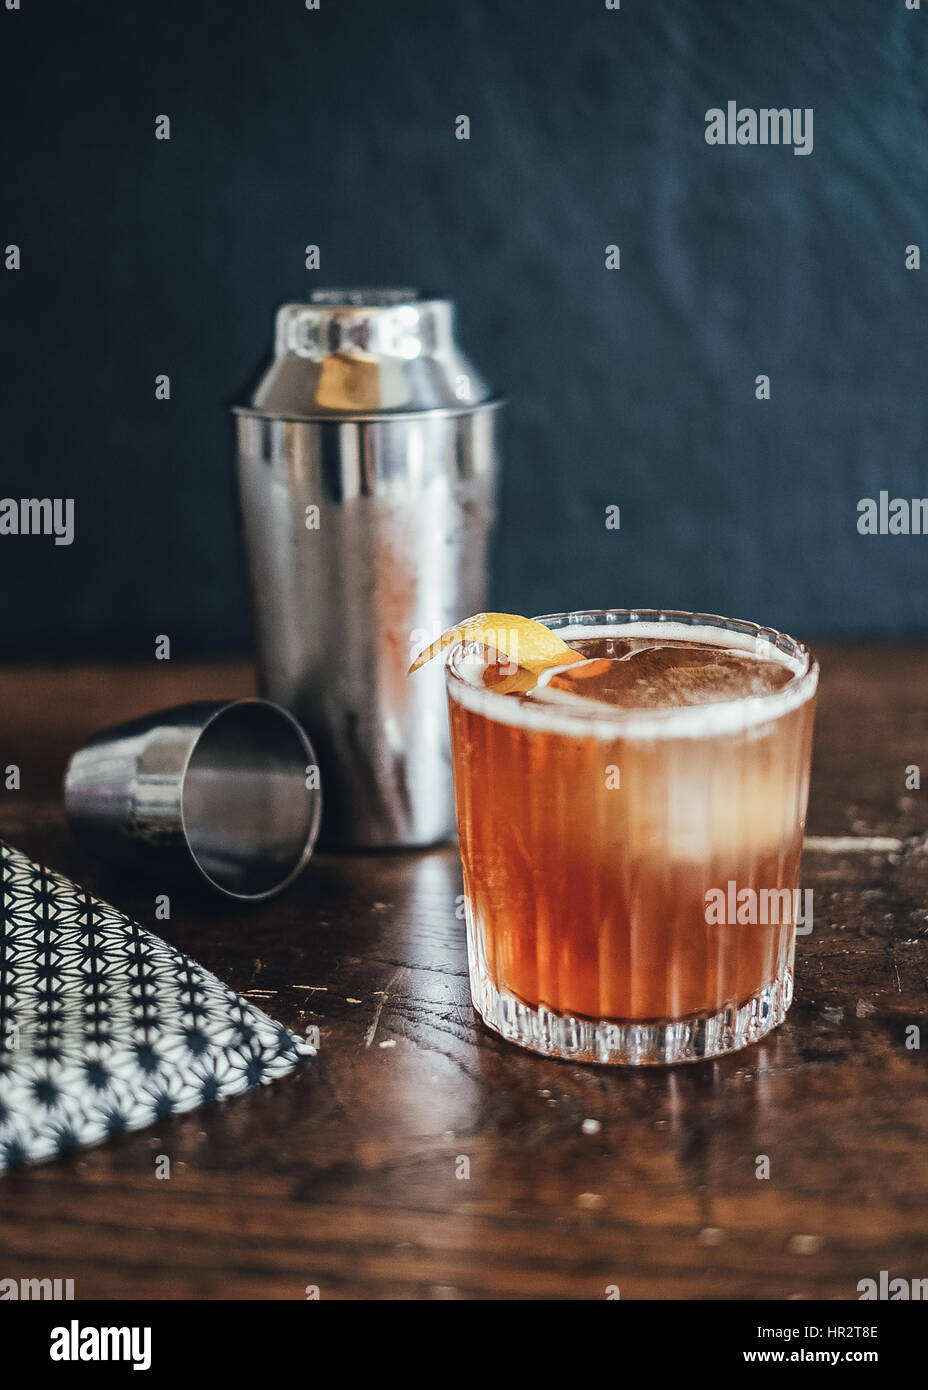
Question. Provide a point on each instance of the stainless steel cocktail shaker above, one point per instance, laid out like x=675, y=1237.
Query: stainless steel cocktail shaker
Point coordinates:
x=367, y=458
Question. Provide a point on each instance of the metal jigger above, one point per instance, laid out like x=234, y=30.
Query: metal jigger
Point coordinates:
x=228, y=787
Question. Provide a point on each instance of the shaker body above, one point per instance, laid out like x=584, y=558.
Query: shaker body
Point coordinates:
x=365, y=539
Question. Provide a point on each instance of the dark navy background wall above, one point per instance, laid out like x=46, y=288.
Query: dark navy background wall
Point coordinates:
x=633, y=387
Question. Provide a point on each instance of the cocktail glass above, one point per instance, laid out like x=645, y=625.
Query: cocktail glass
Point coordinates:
x=611, y=856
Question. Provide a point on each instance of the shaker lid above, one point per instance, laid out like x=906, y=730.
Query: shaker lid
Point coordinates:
x=362, y=353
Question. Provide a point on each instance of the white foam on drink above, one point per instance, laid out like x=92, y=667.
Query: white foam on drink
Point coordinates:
x=582, y=718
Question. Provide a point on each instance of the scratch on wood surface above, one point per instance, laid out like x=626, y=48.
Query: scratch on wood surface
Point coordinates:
x=454, y=1005
x=849, y=844
x=384, y=996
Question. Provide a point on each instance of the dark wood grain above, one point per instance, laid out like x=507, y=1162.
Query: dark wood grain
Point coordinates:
x=344, y=1175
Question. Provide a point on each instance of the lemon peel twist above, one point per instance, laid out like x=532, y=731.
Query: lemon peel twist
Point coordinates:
x=520, y=642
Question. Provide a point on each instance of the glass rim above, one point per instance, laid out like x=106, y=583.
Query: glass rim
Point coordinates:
x=597, y=720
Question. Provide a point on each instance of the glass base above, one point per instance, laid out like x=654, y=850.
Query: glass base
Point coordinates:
x=656, y=1042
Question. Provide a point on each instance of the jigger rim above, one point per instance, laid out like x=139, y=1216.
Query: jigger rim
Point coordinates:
x=312, y=834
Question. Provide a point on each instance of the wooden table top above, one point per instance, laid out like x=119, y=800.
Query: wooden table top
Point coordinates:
x=344, y=1175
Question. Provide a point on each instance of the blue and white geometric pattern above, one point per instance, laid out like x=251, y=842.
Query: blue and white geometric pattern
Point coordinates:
x=105, y=1027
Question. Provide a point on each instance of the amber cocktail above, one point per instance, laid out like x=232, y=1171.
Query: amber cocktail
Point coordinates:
x=616, y=824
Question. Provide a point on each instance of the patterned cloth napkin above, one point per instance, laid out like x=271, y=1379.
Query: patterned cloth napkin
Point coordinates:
x=105, y=1027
